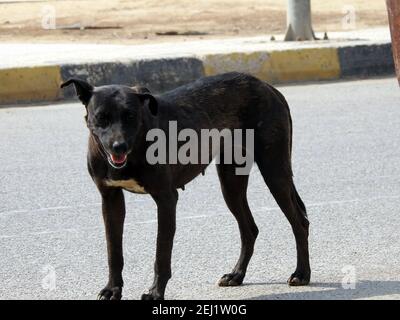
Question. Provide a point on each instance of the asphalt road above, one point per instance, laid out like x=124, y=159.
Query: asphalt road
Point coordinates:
x=347, y=169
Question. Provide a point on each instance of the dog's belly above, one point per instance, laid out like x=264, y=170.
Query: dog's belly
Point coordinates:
x=130, y=185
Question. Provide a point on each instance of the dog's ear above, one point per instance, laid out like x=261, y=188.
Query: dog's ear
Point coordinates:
x=83, y=89
x=149, y=101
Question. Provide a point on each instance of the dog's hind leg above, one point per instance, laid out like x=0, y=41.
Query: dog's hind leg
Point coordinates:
x=234, y=189
x=275, y=166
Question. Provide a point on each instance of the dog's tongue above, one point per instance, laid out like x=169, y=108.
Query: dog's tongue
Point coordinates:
x=118, y=159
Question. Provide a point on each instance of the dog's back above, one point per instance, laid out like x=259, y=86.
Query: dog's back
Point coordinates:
x=232, y=100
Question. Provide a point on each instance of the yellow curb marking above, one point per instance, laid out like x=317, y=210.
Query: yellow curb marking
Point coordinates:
x=256, y=63
x=278, y=66
x=30, y=84
x=305, y=64
x=42, y=83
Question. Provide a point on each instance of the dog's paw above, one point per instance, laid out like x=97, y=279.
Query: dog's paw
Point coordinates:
x=298, y=279
x=113, y=293
x=152, y=296
x=231, y=279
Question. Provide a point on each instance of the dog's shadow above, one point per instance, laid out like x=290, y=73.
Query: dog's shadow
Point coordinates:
x=364, y=289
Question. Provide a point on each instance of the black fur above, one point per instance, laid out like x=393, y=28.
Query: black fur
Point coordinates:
x=119, y=118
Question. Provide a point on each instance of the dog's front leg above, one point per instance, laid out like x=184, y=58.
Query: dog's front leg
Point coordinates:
x=113, y=206
x=166, y=215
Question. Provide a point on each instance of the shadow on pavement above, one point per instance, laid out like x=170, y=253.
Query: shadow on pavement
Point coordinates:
x=364, y=290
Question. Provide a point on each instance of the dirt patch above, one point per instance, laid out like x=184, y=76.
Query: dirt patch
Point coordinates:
x=154, y=21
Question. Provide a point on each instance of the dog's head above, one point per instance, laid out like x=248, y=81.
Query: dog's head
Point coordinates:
x=114, y=116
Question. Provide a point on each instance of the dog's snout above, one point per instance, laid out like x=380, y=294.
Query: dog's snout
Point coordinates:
x=119, y=147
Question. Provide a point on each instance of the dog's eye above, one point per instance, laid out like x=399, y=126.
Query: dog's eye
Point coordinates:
x=102, y=120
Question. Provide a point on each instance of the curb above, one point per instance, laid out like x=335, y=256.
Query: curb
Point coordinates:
x=278, y=66
x=158, y=75
x=33, y=84
x=30, y=84
x=366, y=60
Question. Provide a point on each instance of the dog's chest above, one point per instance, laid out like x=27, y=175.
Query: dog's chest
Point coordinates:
x=130, y=185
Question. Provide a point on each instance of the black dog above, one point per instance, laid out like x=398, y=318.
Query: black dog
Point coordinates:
x=119, y=117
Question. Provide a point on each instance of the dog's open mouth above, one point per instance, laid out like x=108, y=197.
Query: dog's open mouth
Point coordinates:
x=117, y=161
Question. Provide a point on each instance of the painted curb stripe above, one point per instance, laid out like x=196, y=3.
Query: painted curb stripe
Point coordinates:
x=30, y=84
x=278, y=66
x=305, y=65
x=159, y=75
x=255, y=63
x=366, y=60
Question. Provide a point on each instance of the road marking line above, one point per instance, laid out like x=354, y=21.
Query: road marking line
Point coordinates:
x=151, y=221
x=92, y=205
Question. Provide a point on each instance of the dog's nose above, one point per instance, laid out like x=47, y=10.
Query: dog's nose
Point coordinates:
x=119, y=147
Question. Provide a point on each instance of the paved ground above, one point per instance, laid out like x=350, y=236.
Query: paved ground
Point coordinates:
x=346, y=164
x=29, y=54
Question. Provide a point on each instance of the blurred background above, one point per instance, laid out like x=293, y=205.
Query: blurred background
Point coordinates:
x=138, y=21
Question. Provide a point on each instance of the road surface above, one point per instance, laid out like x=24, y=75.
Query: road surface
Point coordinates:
x=346, y=160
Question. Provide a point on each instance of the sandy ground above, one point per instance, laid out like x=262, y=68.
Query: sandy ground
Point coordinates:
x=139, y=21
